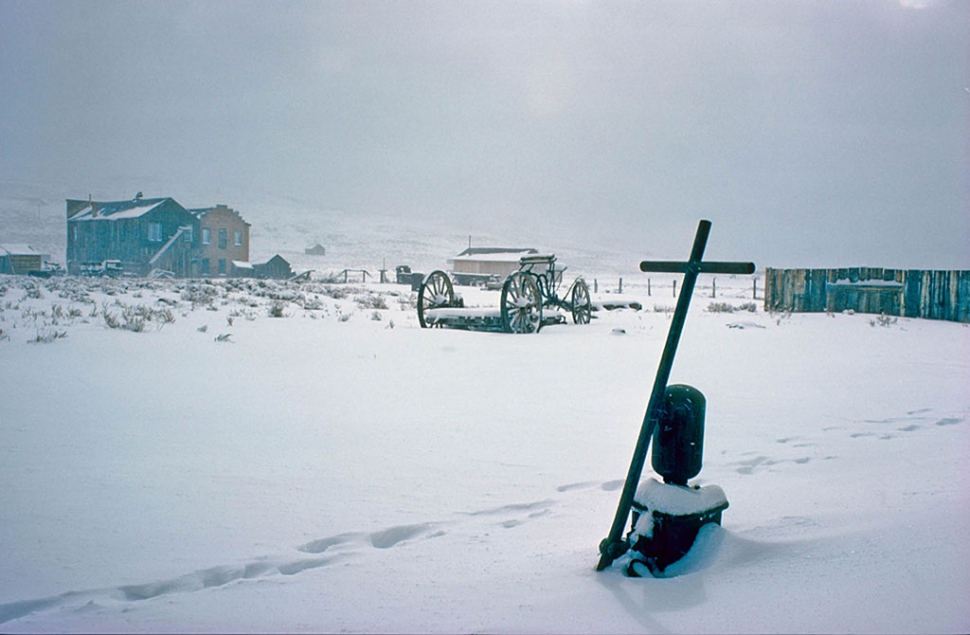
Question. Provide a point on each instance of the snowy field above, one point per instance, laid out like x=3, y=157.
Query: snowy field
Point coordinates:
x=177, y=456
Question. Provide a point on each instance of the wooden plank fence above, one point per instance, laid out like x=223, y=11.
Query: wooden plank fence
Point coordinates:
x=936, y=295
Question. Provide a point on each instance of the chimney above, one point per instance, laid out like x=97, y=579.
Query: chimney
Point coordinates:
x=94, y=209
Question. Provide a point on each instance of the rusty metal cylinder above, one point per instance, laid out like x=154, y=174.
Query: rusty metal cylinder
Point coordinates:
x=678, y=440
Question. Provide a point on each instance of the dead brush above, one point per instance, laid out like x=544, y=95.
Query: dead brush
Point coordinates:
x=199, y=295
x=312, y=303
x=337, y=293
x=720, y=307
x=32, y=292
x=883, y=320
x=69, y=314
x=277, y=309
x=246, y=313
x=408, y=303
x=47, y=336
x=372, y=301
x=135, y=318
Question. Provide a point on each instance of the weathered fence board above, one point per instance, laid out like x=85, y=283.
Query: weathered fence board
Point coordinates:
x=936, y=295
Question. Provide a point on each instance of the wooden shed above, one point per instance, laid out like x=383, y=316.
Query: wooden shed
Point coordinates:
x=20, y=259
x=242, y=269
x=276, y=268
x=316, y=250
x=500, y=261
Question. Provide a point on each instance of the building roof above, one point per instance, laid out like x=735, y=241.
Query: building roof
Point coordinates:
x=117, y=210
x=495, y=254
x=202, y=212
x=13, y=249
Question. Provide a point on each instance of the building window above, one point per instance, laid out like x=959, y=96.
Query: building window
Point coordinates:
x=223, y=240
x=205, y=267
x=237, y=238
x=188, y=233
x=155, y=232
x=222, y=266
x=206, y=236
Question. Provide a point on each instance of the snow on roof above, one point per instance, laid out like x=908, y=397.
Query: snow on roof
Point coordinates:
x=15, y=249
x=504, y=256
x=117, y=210
x=485, y=251
x=202, y=212
x=242, y=264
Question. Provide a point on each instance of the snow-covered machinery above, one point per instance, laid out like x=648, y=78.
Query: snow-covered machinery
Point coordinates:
x=525, y=294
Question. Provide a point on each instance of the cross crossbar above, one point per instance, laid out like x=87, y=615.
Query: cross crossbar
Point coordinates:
x=614, y=546
x=669, y=266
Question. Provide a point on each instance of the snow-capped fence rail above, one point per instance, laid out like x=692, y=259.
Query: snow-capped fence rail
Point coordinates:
x=936, y=295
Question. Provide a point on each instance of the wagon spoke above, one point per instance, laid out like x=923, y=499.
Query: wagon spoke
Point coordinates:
x=436, y=291
x=521, y=309
x=580, y=303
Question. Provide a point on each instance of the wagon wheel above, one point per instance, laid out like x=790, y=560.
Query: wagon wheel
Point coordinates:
x=521, y=304
x=436, y=292
x=581, y=306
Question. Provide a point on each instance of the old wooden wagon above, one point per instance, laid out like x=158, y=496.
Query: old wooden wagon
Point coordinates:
x=529, y=300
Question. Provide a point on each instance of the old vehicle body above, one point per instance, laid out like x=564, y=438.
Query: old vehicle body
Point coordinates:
x=110, y=268
x=525, y=293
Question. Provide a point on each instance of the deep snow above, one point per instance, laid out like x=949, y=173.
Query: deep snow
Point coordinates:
x=331, y=471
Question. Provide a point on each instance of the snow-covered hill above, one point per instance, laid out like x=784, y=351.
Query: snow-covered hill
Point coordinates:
x=34, y=213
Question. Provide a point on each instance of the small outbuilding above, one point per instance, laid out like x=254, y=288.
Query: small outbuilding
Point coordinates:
x=242, y=269
x=316, y=250
x=500, y=261
x=20, y=259
x=276, y=268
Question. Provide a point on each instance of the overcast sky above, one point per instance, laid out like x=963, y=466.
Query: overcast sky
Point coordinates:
x=811, y=132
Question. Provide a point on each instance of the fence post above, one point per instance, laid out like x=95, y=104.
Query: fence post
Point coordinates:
x=714, y=287
x=648, y=287
x=675, y=288
x=621, y=286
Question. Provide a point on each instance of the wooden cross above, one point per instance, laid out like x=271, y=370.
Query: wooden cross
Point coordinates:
x=614, y=546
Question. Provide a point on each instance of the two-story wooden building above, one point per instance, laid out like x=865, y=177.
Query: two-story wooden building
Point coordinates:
x=224, y=240
x=137, y=236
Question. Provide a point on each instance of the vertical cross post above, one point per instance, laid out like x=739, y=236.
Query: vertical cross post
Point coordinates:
x=614, y=546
